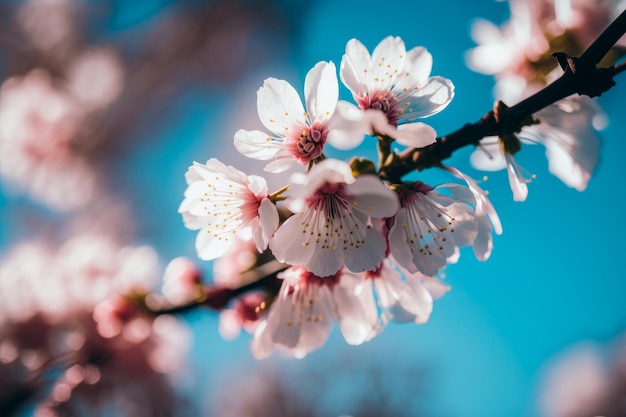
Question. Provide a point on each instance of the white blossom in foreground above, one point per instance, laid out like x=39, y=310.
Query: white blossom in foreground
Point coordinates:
x=332, y=230
x=430, y=227
x=300, y=318
x=393, y=83
x=298, y=135
x=222, y=202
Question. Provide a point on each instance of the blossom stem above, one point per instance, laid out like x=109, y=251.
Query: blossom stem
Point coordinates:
x=580, y=76
x=217, y=298
x=277, y=195
x=384, y=150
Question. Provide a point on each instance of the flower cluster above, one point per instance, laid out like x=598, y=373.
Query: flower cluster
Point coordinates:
x=352, y=248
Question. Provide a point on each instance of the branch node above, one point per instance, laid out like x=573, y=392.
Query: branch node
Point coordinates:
x=587, y=79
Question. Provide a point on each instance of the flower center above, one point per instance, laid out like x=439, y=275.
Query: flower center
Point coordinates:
x=384, y=101
x=309, y=144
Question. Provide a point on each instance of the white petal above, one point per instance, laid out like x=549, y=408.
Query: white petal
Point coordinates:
x=416, y=135
x=429, y=99
x=288, y=244
x=257, y=185
x=325, y=262
x=256, y=144
x=209, y=246
x=321, y=91
x=280, y=164
x=436, y=288
x=517, y=180
x=268, y=223
x=357, y=310
x=347, y=127
x=262, y=344
x=406, y=301
x=416, y=70
x=279, y=106
x=483, y=244
x=387, y=61
x=563, y=166
x=331, y=171
x=488, y=156
x=490, y=58
x=368, y=255
x=355, y=66
x=372, y=197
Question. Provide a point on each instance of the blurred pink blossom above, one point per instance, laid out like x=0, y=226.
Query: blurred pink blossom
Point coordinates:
x=181, y=281
x=75, y=309
x=576, y=383
x=520, y=49
x=38, y=121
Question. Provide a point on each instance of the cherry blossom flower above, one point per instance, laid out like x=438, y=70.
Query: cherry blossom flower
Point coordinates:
x=333, y=229
x=222, y=202
x=430, y=227
x=37, y=124
x=486, y=217
x=298, y=135
x=300, y=318
x=397, y=299
x=393, y=83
